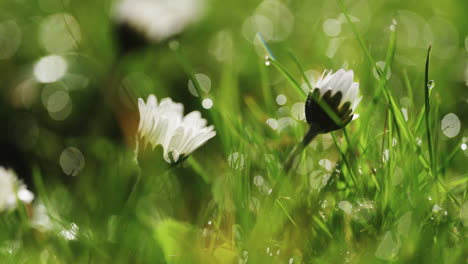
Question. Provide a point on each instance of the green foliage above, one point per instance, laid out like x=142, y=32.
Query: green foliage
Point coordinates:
x=389, y=187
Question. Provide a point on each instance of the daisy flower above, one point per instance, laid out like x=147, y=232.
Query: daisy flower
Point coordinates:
x=338, y=91
x=165, y=124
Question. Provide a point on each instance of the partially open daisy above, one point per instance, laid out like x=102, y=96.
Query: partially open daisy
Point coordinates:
x=165, y=124
x=340, y=93
x=330, y=106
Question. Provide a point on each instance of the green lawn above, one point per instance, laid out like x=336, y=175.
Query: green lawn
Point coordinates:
x=391, y=186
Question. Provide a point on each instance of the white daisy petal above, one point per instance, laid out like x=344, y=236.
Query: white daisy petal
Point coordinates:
x=165, y=125
x=345, y=82
x=351, y=94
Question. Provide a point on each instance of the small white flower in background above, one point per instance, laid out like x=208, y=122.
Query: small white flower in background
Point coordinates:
x=165, y=124
x=158, y=20
x=340, y=92
x=12, y=190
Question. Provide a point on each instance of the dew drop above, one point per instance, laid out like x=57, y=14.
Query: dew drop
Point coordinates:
x=463, y=146
x=431, y=84
x=267, y=63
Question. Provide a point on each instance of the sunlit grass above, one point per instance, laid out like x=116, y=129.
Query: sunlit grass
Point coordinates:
x=389, y=187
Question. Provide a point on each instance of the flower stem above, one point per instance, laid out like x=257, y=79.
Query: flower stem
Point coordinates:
x=311, y=134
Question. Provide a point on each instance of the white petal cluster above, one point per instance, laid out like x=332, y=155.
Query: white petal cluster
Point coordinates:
x=340, y=81
x=165, y=124
x=158, y=19
x=12, y=190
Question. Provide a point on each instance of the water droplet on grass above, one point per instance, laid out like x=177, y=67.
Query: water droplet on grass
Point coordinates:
x=431, y=84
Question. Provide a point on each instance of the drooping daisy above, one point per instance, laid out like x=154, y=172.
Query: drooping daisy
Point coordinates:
x=165, y=124
x=157, y=20
x=329, y=106
x=338, y=91
x=12, y=190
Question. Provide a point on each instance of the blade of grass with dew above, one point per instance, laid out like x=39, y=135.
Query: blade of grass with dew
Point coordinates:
x=396, y=112
x=289, y=77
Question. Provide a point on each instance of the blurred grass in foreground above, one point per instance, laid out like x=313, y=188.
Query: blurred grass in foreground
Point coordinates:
x=376, y=191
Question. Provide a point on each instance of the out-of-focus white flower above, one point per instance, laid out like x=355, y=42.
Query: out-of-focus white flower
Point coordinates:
x=41, y=219
x=337, y=90
x=11, y=189
x=158, y=20
x=165, y=124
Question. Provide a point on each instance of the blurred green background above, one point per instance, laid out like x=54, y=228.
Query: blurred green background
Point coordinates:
x=364, y=196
